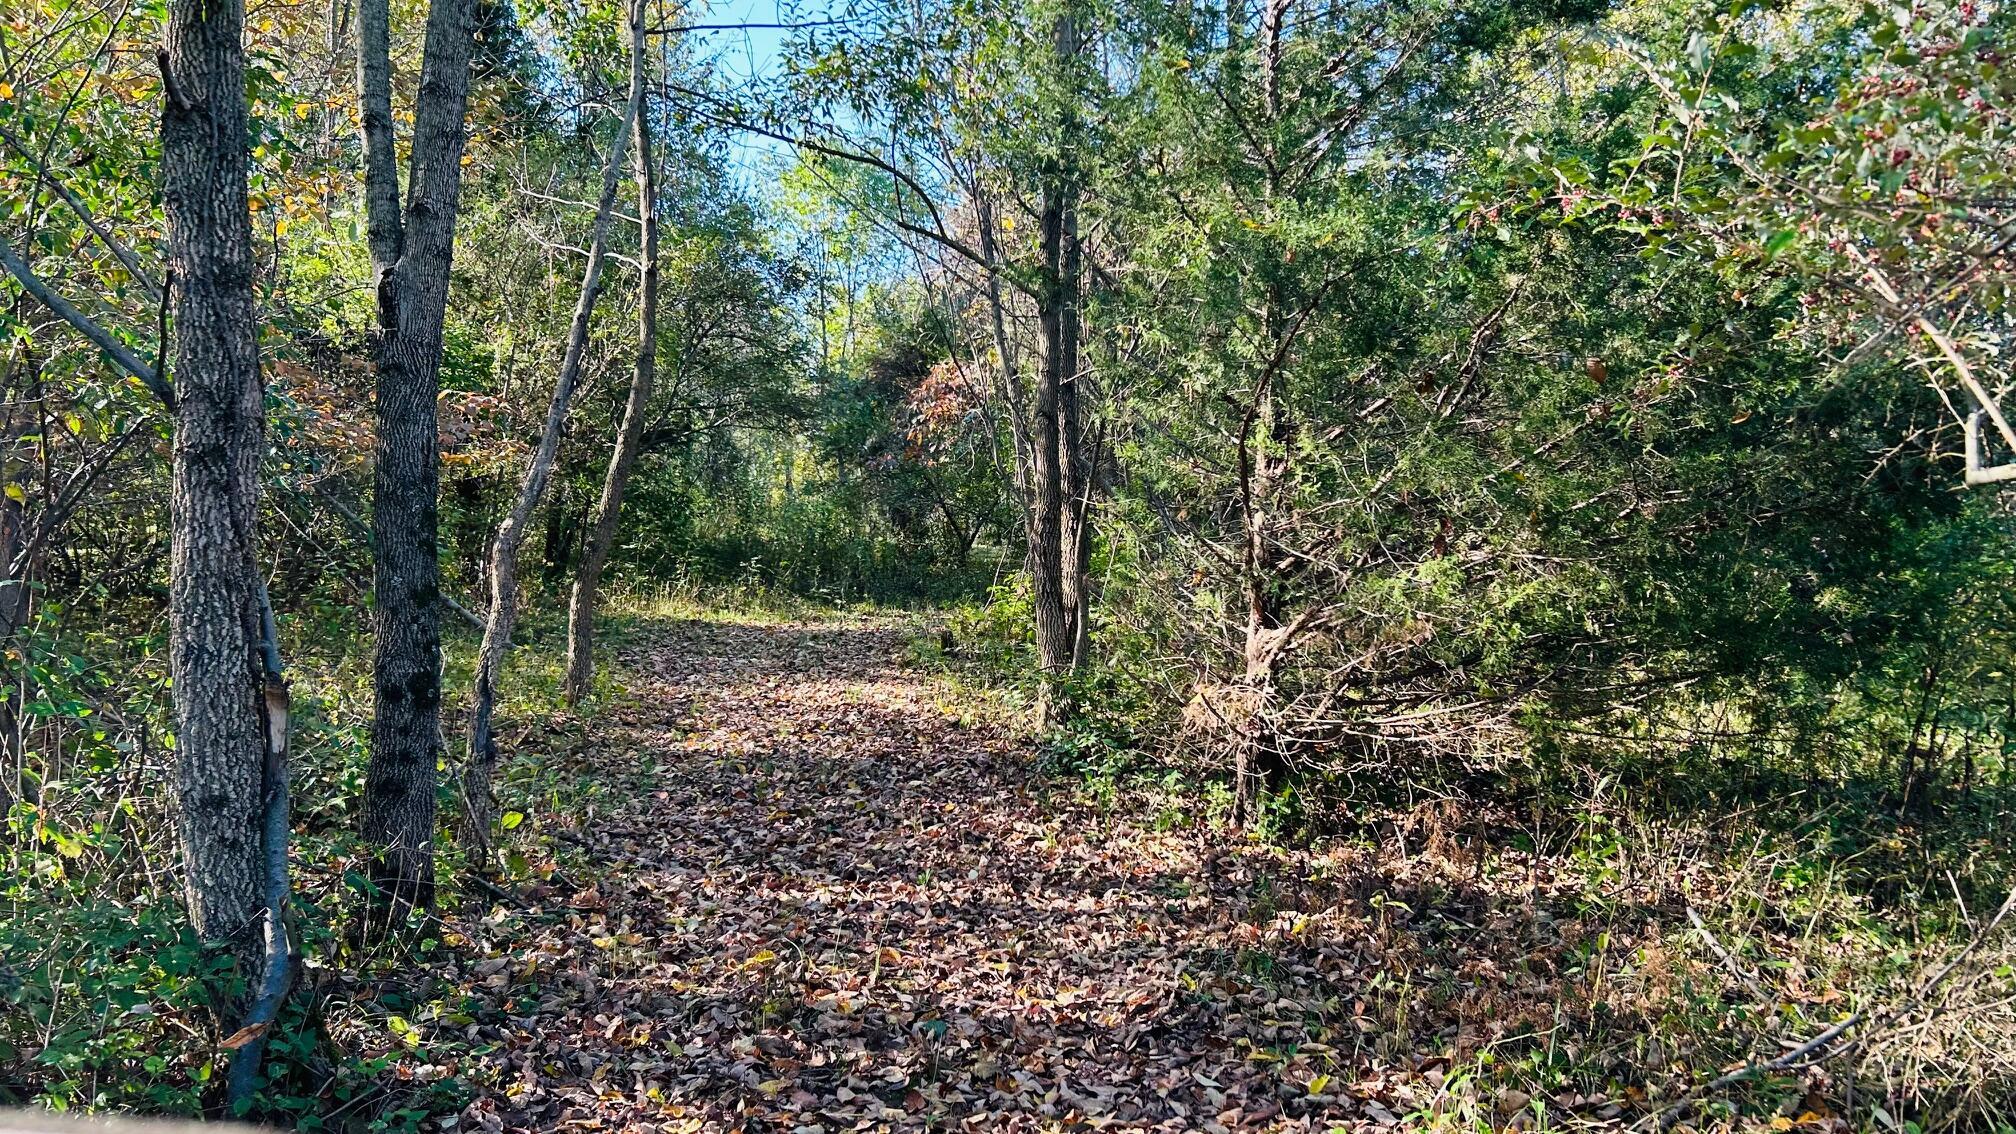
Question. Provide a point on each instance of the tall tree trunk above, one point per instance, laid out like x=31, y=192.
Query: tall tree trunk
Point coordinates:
x=1264, y=437
x=1076, y=561
x=1057, y=584
x=1046, y=512
x=629, y=439
x=482, y=767
x=410, y=258
x=219, y=428
x=224, y=656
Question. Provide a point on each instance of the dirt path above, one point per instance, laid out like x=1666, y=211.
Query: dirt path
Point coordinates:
x=821, y=903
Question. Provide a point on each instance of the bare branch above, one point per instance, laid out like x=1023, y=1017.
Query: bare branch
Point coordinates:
x=86, y=326
x=124, y=254
x=937, y=233
x=675, y=29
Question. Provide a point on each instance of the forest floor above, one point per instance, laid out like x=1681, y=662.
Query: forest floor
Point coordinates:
x=814, y=889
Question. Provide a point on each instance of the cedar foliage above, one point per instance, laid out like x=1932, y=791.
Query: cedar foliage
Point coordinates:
x=1404, y=491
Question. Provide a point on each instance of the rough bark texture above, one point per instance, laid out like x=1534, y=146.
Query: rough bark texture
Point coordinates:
x=629, y=438
x=1055, y=553
x=482, y=767
x=219, y=425
x=410, y=260
x=1264, y=439
x=1046, y=510
x=1074, y=565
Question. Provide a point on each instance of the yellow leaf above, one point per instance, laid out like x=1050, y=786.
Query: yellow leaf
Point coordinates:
x=405, y=1031
x=6, y=90
x=280, y=227
x=14, y=493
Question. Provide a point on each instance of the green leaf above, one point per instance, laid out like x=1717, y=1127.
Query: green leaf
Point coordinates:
x=511, y=819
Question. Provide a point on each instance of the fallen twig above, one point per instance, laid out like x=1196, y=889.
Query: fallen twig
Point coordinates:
x=508, y=897
x=1821, y=1047
x=1728, y=960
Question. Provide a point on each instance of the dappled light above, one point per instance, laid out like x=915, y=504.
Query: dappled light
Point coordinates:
x=825, y=888
x=1303, y=567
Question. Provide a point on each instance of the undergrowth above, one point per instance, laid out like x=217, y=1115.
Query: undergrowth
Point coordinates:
x=1703, y=906
x=1569, y=936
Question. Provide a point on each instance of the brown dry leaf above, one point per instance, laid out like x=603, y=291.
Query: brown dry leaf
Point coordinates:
x=826, y=899
x=244, y=1035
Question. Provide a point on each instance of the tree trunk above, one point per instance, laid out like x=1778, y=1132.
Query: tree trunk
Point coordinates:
x=558, y=550
x=1266, y=440
x=482, y=766
x=224, y=656
x=1258, y=761
x=1057, y=583
x=470, y=527
x=410, y=258
x=608, y=510
x=275, y=822
x=1076, y=560
x=1046, y=515
x=219, y=429
x=22, y=377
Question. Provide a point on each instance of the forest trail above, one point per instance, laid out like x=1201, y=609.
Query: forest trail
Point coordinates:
x=824, y=903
